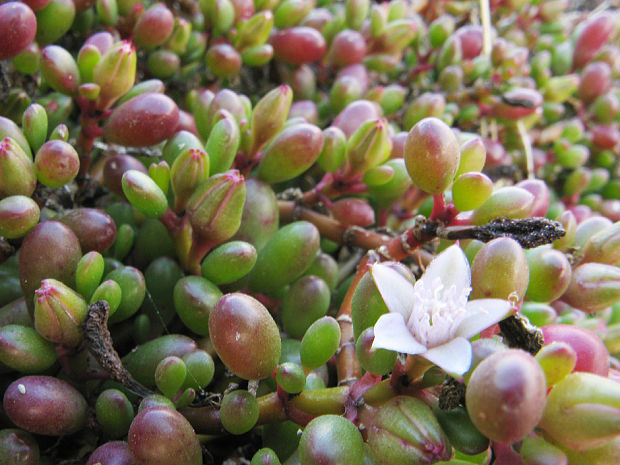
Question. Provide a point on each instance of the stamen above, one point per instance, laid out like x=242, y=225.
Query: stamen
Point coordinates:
x=437, y=312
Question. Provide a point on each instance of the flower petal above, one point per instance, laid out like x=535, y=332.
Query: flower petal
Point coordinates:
x=396, y=291
x=391, y=333
x=451, y=267
x=482, y=314
x=454, y=357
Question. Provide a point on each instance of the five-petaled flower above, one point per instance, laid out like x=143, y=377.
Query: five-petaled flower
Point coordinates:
x=433, y=318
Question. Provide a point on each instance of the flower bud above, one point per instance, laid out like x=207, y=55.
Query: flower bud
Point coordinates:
x=59, y=312
x=178, y=143
x=404, y=430
x=432, y=155
x=290, y=153
x=17, y=175
x=593, y=287
x=189, y=169
x=115, y=73
x=215, y=207
x=144, y=120
x=9, y=129
x=144, y=194
x=269, y=115
x=18, y=215
x=367, y=147
x=582, y=411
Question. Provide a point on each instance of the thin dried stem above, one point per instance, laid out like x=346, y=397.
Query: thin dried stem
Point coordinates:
x=99, y=342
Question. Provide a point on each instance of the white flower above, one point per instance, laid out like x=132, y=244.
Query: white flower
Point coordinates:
x=433, y=318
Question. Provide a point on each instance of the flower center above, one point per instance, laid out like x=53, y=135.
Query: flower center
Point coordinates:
x=437, y=312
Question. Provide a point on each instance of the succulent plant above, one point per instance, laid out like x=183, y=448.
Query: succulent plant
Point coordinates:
x=383, y=225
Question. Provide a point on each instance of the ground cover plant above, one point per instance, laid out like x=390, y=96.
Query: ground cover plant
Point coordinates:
x=309, y=232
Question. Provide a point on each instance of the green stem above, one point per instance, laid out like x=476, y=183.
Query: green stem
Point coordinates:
x=485, y=18
x=527, y=149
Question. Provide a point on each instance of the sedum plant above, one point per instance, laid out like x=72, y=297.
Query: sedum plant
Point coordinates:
x=299, y=232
